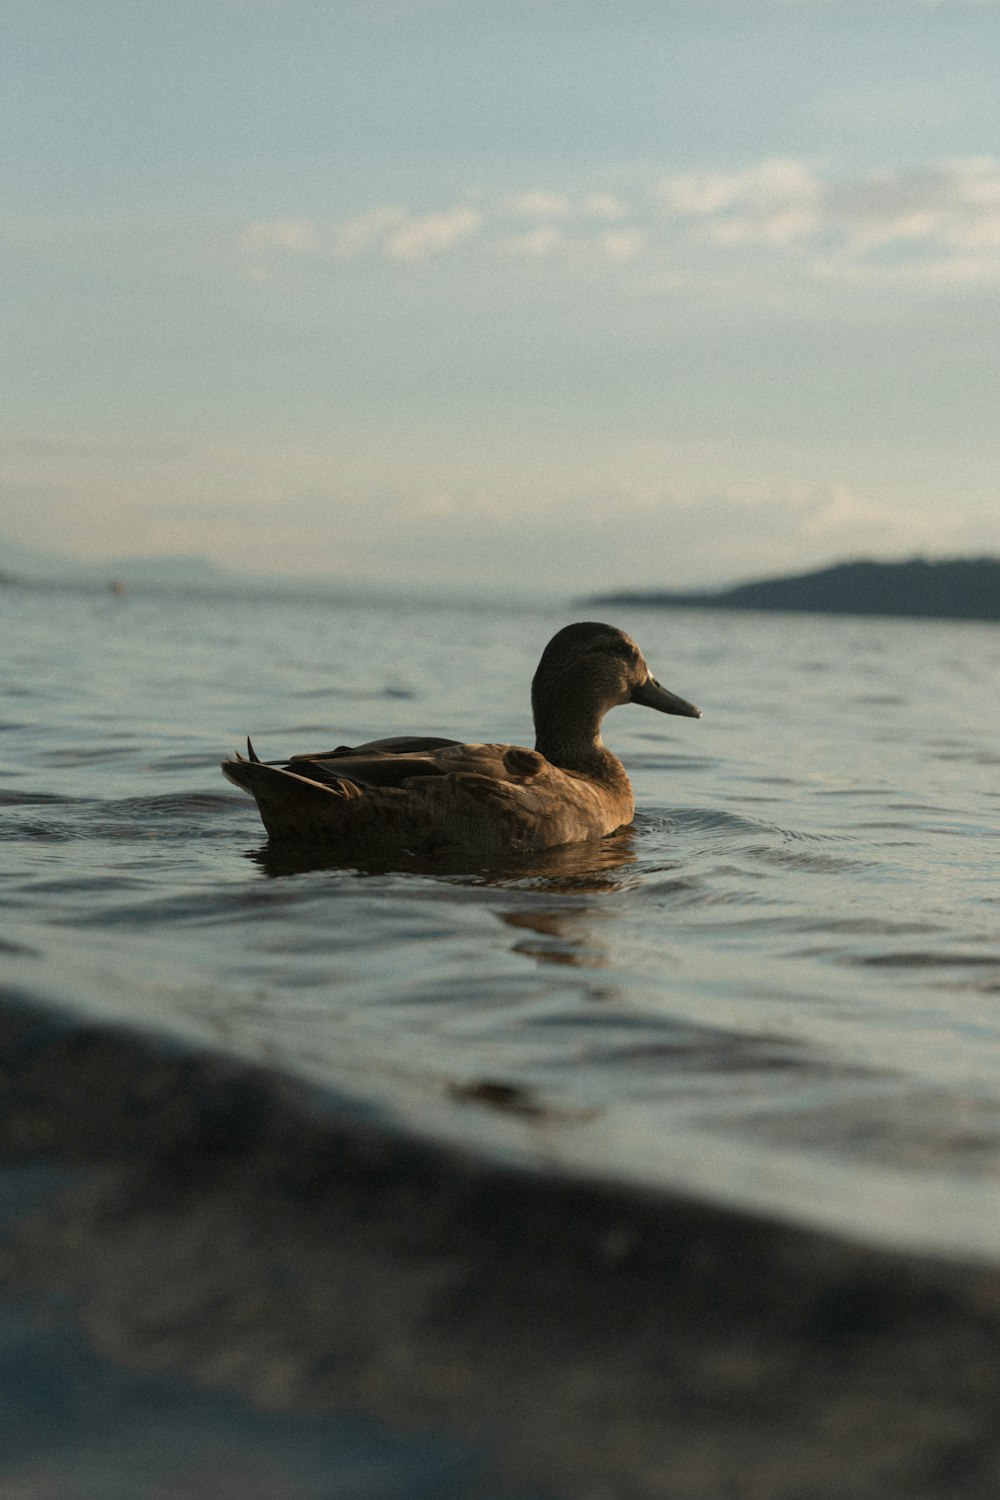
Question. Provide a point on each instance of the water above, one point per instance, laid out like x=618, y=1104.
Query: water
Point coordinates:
x=780, y=990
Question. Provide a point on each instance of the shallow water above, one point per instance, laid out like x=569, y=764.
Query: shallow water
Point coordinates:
x=780, y=989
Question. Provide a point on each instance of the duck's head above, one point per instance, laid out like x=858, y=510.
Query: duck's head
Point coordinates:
x=585, y=670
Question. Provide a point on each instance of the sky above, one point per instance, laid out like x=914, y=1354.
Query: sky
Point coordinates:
x=542, y=294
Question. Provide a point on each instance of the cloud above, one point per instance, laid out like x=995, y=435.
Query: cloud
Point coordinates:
x=264, y=239
x=353, y=236
x=604, y=206
x=560, y=223
x=538, y=205
x=774, y=200
x=534, y=244
x=938, y=214
x=622, y=244
x=953, y=203
x=282, y=234
x=419, y=235
x=390, y=231
x=934, y=225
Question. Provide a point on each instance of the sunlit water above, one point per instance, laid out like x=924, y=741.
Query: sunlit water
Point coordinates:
x=781, y=989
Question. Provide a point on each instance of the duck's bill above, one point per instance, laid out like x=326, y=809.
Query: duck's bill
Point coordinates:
x=653, y=694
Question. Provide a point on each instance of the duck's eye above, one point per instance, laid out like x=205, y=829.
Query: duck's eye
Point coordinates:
x=623, y=648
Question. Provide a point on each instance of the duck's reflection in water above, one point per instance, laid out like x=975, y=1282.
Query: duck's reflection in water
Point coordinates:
x=561, y=937
x=554, y=904
x=597, y=867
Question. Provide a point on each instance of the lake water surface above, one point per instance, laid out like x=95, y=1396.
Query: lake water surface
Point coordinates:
x=779, y=990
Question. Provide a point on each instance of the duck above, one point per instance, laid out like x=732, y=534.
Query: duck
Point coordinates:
x=429, y=797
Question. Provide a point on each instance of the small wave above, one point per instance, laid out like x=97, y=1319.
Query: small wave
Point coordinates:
x=30, y=831
x=391, y=690
x=33, y=799
x=701, y=819
x=974, y=757
x=182, y=760
x=860, y=926
x=896, y=1124
x=926, y=959
x=809, y=863
x=172, y=804
x=177, y=815
x=650, y=762
x=19, y=950
x=88, y=755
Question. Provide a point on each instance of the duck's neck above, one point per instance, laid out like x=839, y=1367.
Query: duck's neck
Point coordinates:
x=573, y=742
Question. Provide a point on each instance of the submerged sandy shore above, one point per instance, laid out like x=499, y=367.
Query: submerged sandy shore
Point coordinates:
x=228, y=1228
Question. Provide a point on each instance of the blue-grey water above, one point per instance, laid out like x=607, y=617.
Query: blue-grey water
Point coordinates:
x=780, y=989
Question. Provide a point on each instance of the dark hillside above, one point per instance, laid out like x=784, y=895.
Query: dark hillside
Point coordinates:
x=958, y=589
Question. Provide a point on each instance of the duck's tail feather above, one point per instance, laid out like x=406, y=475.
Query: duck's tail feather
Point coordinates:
x=292, y=806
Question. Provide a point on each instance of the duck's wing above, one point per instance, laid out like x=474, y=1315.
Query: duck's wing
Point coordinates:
x=365, y=769
x=386, y=762
x=365, y=797
x=389, y=762
x=396, y=762
x=405, y=744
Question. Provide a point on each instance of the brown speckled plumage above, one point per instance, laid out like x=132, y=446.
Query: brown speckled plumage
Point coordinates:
x=426, y=797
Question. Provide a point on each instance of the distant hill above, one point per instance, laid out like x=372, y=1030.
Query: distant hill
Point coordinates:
x=180, y=572
x=193, y=577
x=21, y=564
x=18, y=562
x=958, y=589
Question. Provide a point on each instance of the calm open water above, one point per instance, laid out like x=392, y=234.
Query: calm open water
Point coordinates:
x=781, y=989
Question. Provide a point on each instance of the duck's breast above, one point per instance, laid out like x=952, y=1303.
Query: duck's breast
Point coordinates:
x=539, y=806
